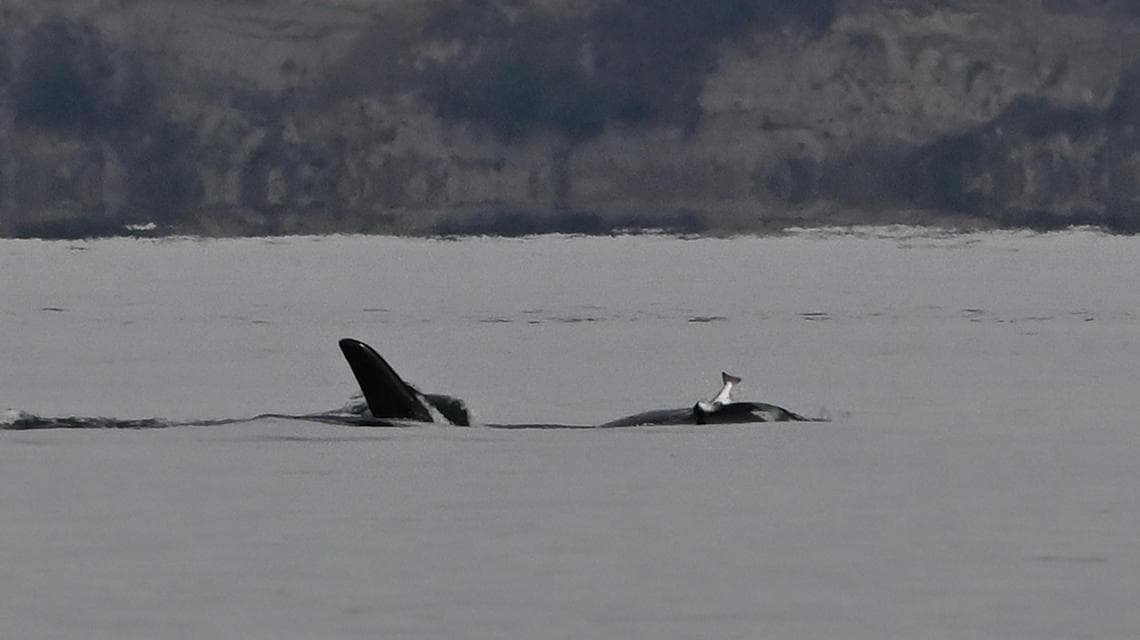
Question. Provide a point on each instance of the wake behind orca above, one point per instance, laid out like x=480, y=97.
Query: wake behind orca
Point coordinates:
x=389, y=398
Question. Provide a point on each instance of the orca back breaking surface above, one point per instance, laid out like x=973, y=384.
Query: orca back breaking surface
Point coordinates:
x=657, y=417
x=744, y=412
x=390, y=398
x=387, y=394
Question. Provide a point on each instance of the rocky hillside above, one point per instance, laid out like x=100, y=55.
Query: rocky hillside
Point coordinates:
x=447, y=117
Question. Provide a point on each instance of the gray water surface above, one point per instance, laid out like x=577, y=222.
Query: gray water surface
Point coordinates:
x=978, y=480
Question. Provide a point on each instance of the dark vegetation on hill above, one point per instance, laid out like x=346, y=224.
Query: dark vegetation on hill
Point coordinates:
x=514, y=117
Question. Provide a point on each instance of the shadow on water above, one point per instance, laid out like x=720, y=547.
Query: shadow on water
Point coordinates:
x=23, y=421
x=271, y=438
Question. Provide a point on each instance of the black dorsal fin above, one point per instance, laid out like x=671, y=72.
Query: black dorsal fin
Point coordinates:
x=388, y=396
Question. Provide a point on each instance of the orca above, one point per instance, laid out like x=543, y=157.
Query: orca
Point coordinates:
x=393, y=402
x=388, y=396
x=722, y=409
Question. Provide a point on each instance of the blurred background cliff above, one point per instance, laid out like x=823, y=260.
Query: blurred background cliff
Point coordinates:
x=517, y=116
